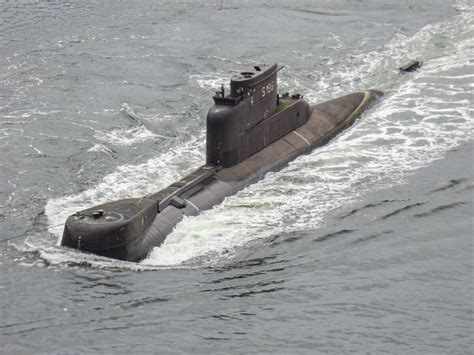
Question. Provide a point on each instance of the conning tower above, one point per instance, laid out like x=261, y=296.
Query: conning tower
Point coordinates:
x=251, y=117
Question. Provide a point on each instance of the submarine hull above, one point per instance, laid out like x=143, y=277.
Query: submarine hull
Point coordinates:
x=130, y=229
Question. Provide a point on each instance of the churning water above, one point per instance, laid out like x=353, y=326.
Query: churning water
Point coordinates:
x=364, y=245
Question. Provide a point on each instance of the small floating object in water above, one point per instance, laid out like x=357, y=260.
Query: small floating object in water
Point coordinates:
x=414, y=65
x=250, y=131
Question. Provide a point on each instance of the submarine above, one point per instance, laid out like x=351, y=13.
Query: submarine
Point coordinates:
x=250, y=131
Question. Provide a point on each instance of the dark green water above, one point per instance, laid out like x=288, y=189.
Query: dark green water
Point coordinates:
x=364, y=246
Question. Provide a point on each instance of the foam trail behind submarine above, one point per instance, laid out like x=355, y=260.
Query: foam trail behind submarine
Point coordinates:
x=250, y=132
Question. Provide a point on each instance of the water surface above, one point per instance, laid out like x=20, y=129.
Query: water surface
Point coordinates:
x=364, y=245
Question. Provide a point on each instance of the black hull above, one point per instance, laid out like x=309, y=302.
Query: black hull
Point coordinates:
x=206, y=187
